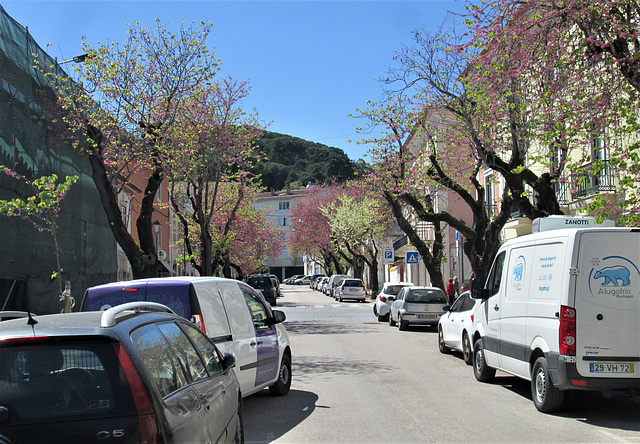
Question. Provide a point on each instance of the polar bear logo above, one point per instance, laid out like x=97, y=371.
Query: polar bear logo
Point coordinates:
x=614, y=274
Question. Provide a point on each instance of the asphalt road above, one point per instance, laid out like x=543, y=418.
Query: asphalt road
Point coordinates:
x=356, y=380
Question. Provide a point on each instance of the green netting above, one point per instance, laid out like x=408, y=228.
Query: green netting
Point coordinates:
x=31, y=146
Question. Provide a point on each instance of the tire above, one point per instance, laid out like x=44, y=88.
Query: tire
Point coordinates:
x=481, y=370
x=467, y=352
x=441, y=346
x=339, y=298
x=392, y=323
x=402, y=325
x=375, y=311
x=239, y=437
x=546, y=397
x=283, y=384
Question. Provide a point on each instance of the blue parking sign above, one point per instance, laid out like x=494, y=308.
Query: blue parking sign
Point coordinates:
x=412, y=257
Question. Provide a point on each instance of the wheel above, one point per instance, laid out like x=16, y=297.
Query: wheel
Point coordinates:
x=467, y=353
x=546, y=397
x=239, y=437
x=339, y=298
x=481, y=370
x=441, y=346
x=283, y=384
x=392, y=323
x=402, y=325
x=375, y=311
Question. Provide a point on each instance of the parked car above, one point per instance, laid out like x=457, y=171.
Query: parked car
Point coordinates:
x=386, y=296
x=455, y=328
x=333, y=281
x=267, y=285
x=417, y=305
x=350, y=289
x=289, y=280
x=134, y=373
x=323, y=284
x=304, y=280
x=277, y=281
x=233, y=314
x=315, y=279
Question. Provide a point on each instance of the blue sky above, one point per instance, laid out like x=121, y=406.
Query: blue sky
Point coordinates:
x=309, y=63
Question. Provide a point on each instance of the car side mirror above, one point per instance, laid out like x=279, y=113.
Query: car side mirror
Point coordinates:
x=228, y=361
x=278, y=317
x=446, y=308
x=391, y=298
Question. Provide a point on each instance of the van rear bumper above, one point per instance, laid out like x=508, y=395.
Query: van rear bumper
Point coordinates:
x=565, y=376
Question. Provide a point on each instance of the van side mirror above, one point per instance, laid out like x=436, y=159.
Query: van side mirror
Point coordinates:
x=477, y=289
x=278, y=317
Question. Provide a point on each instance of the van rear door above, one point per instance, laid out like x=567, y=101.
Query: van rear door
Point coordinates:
x=607, y=303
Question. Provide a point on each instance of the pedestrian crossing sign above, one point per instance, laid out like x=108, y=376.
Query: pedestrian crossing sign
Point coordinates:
x=412, y=257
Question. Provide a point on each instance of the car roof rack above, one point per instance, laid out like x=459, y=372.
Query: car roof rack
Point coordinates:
x=108, y=318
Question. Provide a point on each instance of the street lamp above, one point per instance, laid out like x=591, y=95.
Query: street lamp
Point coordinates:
x=77, y=59
x=156, y=229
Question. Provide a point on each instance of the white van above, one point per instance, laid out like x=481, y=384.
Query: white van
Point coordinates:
x=561, y=309
x=235, y=316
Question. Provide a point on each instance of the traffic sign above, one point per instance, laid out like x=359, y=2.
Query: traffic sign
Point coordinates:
x=388, y=256
x=412, y=257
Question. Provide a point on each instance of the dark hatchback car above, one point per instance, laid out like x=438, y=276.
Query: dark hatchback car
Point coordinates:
x=267, y=285
x=124, y=375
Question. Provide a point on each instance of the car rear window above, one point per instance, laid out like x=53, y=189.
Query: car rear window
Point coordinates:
x=426, y=296
x=393, y=289
x=352, y=283
x=261, y=282
x=42, y=382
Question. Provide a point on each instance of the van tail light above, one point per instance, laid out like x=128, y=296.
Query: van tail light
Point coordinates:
x=199, y=321
x=383, y=299
x=567, y=331
x=147, y=422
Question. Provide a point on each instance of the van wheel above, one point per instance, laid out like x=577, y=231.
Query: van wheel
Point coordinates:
x=402, y=325
x=467, y=353
x=546, y=397
x=283, y=384
x=481, y=370
x=392, y=323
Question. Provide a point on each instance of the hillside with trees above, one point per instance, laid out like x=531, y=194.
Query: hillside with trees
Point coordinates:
x=294, y=162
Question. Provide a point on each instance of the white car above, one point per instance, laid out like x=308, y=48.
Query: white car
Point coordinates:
x=350, y=289
x=417, y=305
x=455, y=329
x=386, y=296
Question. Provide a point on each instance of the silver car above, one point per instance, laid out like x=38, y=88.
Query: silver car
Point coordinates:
x=417, y=305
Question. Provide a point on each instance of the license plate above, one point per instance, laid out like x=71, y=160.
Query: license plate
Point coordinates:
x=603, y=367
x=426, y=316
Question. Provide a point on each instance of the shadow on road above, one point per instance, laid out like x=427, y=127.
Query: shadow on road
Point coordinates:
x=267, y=417
x=317, y=328
x=593, y=408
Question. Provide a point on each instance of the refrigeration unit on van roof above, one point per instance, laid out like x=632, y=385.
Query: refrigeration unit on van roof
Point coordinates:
x=559, y=222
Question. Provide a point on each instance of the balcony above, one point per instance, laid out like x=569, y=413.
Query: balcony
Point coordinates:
x=590, y=180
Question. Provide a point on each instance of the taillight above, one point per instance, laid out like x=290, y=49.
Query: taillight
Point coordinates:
x=147, y=423
x=567, y=331
x=383, y=299
x=472, y=318
x=199, y=321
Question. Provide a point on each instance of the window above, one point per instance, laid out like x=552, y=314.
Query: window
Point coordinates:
x=161, y=362
x=258, y=311
x=282, y=221
x=206, y=349
x=283, y=205
x=495, y=276
x=188, y=356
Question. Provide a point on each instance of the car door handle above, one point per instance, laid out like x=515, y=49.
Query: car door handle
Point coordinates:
x=496, y=308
